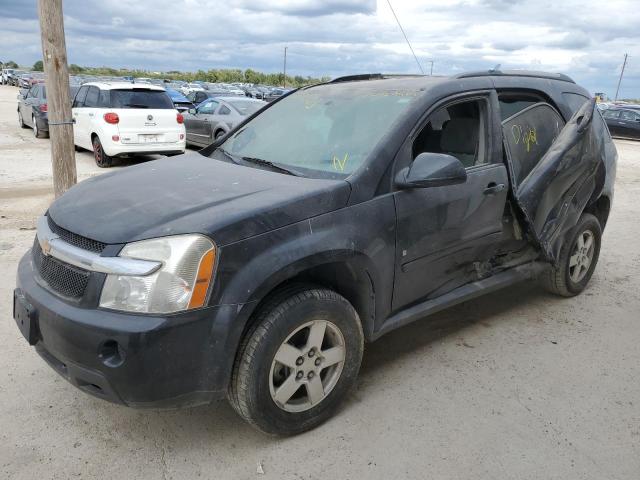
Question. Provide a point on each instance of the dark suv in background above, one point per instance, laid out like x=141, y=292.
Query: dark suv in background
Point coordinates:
x=258, y=267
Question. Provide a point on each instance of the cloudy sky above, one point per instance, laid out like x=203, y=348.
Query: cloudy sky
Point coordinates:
x=585, y=38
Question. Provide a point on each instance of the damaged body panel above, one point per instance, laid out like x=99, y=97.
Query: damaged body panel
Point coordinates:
x=554, y=190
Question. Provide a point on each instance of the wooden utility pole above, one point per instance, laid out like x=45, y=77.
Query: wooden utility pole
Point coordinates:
x=54, y=55
x=620, y=79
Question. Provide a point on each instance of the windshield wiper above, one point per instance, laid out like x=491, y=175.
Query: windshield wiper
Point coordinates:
x=274, y=166
x=136, y=105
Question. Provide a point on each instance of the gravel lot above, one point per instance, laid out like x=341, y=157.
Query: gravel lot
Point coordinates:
x=518, y=384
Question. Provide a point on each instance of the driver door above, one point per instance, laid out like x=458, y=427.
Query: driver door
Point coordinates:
x=445, y=233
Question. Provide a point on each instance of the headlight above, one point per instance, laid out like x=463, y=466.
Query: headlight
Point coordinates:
x=180, y=284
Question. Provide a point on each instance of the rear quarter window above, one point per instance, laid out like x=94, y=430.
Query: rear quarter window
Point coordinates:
x=574, y=101
x=528, y=135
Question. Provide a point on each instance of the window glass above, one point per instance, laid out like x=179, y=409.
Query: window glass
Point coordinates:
x=328, y=130
x=611, y=114
x=207, y=108
x=456, y=130
x=224, y=110
x=246, y=107
x=92, y=97
x=32, y=92
x=140, y=98
x=574, y=100
x=80, y=97
x=528, y=135
x=629, y=115
x=514, y=102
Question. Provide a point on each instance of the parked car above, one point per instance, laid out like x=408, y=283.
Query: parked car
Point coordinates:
x=200, y=96
x=14, y=78
x=191, y=87
x=623, y=122
x=6, y=74
x=33, y=109
x=213, y=118
x=181, y=102
x=257, y=268
x=121, y=119
x=275, y=93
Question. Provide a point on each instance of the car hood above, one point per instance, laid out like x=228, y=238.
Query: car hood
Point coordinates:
x=192, y=193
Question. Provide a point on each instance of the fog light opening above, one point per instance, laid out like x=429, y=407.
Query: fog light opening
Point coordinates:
x=111, y=354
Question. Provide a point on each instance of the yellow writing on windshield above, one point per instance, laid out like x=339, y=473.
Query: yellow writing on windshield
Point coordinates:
x=340, y=164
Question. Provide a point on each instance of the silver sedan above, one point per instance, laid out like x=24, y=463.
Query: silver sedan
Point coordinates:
x=214, y=117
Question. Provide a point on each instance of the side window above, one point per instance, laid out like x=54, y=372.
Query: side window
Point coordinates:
x=224, y=110
x=32, y=92
x=629, y=116
x=528, y=135
x=93, y=96
x=104, y=99
x=611, y=114
x=574, y=100
x=459, y=130
x=78, y=102
x=514, y=102
x=208, y=108
x=200, y=97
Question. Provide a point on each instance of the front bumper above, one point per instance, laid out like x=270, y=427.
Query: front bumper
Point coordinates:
x=136, y=360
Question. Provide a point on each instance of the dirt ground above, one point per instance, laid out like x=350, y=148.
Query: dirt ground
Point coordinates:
x=515, y=385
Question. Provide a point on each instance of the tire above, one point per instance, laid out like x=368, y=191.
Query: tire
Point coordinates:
x=21, y=120
x=565, y=280
x=257, y=378
x=36, y=131
x=102, y=159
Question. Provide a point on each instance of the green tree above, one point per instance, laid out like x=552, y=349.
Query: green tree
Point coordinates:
x=11, y=64
x=38, y=66
x=73, y=68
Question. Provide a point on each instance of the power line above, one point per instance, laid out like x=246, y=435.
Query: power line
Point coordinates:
x=405, y=37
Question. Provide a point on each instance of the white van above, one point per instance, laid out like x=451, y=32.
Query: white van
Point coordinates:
x=119, y=119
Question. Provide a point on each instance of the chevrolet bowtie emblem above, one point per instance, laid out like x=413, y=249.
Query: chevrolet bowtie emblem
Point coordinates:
x=45, y=245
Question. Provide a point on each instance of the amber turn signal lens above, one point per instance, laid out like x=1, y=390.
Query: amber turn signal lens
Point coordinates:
x=203, y=279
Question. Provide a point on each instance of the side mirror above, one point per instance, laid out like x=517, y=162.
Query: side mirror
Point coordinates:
x=192, y=111
x=432, y=170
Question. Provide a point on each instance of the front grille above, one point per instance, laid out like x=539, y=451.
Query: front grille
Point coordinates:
x=75, y=239
x=61, y=277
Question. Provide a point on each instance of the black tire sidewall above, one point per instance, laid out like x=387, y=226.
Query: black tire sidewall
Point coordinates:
x=587, y=222
x=266, y=414
x=106, y=160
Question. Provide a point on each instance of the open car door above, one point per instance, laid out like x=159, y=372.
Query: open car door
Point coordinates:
x=553, y=169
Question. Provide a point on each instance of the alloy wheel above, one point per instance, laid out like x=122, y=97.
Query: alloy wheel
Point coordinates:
x=307, y=366
x=581, y=256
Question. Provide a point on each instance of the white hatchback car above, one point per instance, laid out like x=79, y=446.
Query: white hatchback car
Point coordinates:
x=120, y=119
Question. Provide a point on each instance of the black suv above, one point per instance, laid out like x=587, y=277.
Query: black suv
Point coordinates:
x=258, y=267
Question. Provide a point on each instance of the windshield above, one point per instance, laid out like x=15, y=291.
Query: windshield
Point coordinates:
x=246, y=107
x=177, y=96
x=331, y=129
x=140, y=98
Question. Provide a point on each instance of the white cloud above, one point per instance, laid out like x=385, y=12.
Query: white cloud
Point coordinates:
x=582, y=38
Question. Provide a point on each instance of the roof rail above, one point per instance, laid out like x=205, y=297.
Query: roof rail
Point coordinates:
x=357, y=78
x=517, y=73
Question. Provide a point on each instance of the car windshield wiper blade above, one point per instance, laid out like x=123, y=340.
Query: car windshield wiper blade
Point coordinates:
x=136, y=105
x=274, y=166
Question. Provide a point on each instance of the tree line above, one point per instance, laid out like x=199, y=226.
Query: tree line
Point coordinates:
x=221, y=75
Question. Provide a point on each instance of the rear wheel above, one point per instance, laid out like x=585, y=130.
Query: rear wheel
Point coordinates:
x=36, y=131
x=102, y=159
x=298, y=362
x=578, y=259
x=21, y=120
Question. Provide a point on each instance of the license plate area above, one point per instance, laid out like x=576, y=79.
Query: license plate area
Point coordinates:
x=25, y=316
x=150, y=138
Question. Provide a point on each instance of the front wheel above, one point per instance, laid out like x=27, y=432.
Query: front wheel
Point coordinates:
x=298, y=362
x=578, y=259
x=102, y=159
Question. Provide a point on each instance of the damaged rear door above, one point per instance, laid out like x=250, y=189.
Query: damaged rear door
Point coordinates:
x=552, y=167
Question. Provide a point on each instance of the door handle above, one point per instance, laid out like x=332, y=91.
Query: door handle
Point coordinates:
x=493, y=188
